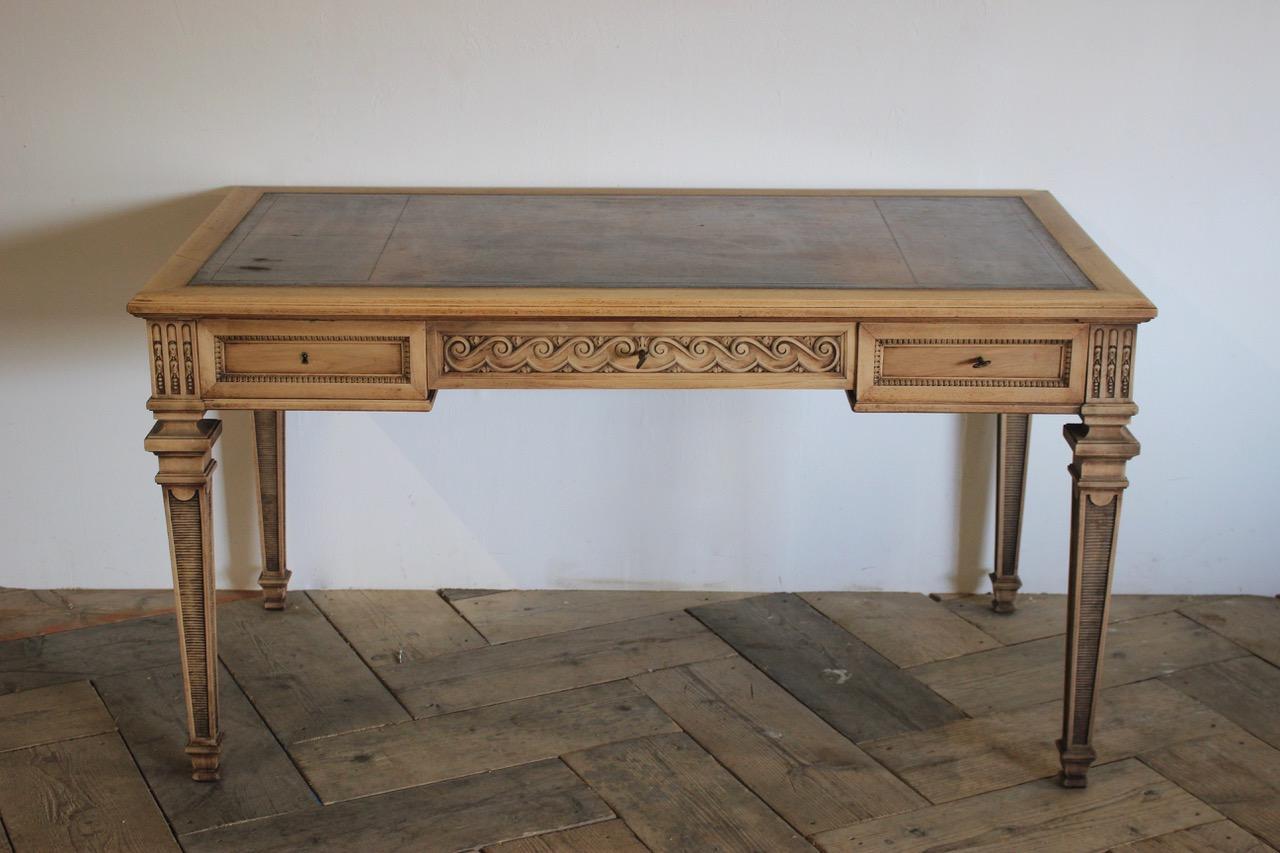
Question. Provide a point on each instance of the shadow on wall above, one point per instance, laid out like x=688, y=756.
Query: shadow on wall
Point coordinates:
x=69, y=283
x=975, y=496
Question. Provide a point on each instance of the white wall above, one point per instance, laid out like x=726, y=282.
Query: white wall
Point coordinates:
x=1155, y=123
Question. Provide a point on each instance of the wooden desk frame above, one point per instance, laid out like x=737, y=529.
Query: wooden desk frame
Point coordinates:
x=890, y=350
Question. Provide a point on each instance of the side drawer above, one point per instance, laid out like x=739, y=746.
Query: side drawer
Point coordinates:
x=312, y=360
x=936, y=365
x=589, y=354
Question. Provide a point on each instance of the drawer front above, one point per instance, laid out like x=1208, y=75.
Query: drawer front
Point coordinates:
x=312, y=360
x=983, y=365
x=504, y=354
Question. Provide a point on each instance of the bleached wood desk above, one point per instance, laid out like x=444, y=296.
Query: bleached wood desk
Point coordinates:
x=984, y=301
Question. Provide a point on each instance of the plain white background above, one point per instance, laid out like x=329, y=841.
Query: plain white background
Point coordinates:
x=1155, y=123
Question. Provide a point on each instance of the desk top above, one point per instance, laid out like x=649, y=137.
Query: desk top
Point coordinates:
x=426, y=253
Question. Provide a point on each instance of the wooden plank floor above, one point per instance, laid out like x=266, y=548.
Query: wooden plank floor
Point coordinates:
x=545, y=721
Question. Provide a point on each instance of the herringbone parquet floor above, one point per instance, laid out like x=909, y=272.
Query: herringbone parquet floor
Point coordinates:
x=625, y=721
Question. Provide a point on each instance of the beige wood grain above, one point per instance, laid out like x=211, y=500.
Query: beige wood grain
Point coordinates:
x=299, y=672
x=389, y=628
x=1011, y=747
x=1249, y=621
x=1045, y=615
x=322, y=360
x=1220, y=837
x=82, y=794
x=422, y=751
x=675, y=797
x=804, y=769
x=1245, y=690
x=1234, y=772
x=906, y=363
x=539, y=665
x=905, y=627
x=521, y=614
x=1031, y=672
x=612, y=836
x=457, y=815
x=47, y=714
x=1124, y=802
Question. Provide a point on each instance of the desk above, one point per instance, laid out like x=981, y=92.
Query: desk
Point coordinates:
x=375, y=300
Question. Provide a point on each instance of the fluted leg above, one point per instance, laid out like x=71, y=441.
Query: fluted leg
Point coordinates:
x=1012, y=435
x=184, y=448
x=1101, y=446
x=268, y=457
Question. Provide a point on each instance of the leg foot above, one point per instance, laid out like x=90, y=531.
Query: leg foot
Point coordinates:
x=1012, y=435
x=1075, y=765
x=268, y=457
x=205, y=754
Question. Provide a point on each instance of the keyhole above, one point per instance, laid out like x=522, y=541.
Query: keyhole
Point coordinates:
x=306, y=359
x=641, y=355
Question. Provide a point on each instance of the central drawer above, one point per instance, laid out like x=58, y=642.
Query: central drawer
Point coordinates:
x=516, y=354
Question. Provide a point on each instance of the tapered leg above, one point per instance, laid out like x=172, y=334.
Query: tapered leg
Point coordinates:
x=1012, y=435
x=268, y=453
x=1101, y=446
x=184, y=448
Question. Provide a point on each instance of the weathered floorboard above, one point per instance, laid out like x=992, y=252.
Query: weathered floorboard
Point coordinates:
x=675, y=797
x=1236, y=773
x=1220, y=837
x=1249, y=621
x=82, y=794
x=804, y=769
x=461, y=814
x=610, y=836
x=389, y=628
x=540, y=665
x=1030, y=673
x=1244, y=690
x=1124, y=802
x=1045, y=615
x=423, y=751
x=259, y=779
x=520, y=614
x=906, y=627
x=299, y=673
x=1011, y=747
x=48, y=714
x=89, y=652
x=840, y=678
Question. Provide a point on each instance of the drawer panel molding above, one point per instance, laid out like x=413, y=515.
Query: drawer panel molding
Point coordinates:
x=627, y=355
x=223, y=372
x=1060, y=347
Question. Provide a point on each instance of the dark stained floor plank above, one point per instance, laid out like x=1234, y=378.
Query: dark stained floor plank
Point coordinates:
x=1042, y=615
x=610, y=836
x=804, y=769
x=300, y=673
x=1030, y=673
x=840, y=678
x=391, y=627
x=521, y=614
x=541, y=665
x=1005, y=749
x=83, y=654
x=82, y=794
x=675, y=797
x=48, y=714
x=424, y=751
x=1244, y=690
x=455, y=594
x=1249, y=621
x=1125, y=802
x=1236, y=773
x=1220, y=837
x=461, y=814
x=258, y=778
x=905, y=627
